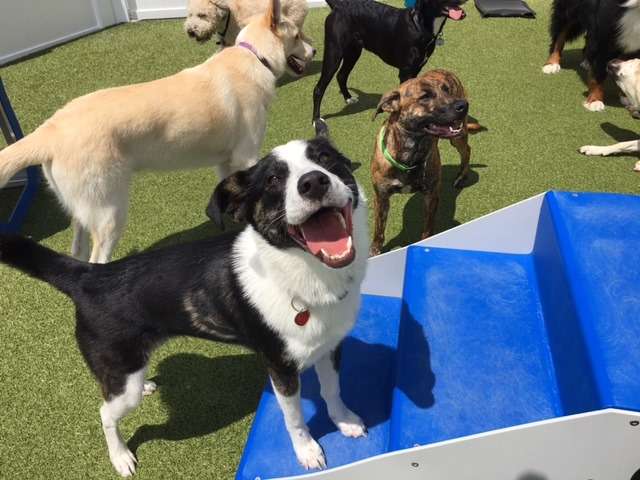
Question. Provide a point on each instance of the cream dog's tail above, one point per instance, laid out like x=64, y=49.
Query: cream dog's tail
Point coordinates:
x=20, y=155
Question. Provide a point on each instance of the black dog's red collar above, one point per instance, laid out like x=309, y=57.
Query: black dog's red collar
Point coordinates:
x=253, y=50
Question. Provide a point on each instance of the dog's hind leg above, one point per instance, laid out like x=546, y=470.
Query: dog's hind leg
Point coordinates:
x=80, y=247
x=349, y=424
x=107, y=229
x=112, y=411
x=351, y=56
x=287, y=389
x=565, y=26
x=331, y=59
x=431, y=200
x=381, y=211
x=461, y=144
x=598, y=74
x=552, y=65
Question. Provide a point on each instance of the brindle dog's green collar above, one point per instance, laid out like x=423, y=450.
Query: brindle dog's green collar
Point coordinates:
x=388, y=156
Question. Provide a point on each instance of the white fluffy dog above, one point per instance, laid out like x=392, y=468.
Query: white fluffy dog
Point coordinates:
x=227, y=17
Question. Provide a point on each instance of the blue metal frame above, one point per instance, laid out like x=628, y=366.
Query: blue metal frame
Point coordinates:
x=33, y=175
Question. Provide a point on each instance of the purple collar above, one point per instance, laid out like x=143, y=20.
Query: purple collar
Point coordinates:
x=253, y=50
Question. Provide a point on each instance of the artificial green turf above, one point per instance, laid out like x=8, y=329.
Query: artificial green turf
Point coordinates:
x=196, y=425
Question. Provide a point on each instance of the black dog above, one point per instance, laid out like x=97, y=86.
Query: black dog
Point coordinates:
x=287, y=286
x=612, y=29
x=403, y=38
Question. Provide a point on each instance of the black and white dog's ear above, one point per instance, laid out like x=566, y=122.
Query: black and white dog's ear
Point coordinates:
x=322, y=129
x=229, y=197
x=389, y=102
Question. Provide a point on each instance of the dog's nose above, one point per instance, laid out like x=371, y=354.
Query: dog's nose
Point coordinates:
x=313, y=52
x=191, y=33
x=614, y=66
x=313, y=185
x=461, y=106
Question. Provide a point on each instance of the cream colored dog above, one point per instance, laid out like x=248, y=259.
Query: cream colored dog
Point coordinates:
x=227, y=17
x=211, y=114
x=627, y=76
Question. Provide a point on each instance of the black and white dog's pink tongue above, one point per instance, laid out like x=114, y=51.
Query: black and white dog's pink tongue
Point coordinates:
x=456, y=13
x=326, y=231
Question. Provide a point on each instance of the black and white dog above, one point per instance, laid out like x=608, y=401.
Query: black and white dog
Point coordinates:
x=287, y=286
x=402, y=37
x=612, y=29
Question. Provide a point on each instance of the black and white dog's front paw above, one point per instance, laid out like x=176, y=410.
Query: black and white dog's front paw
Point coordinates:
x=310, y=454
x=124, y=462
x=350, y=424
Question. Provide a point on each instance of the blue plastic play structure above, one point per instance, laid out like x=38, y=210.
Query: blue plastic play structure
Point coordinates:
x=29, y=190
x=481, y=338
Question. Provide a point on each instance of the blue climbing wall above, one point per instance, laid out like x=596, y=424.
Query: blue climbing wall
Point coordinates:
x=482, y=340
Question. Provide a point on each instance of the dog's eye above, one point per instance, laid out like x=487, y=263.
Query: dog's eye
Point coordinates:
x=202, y=16
x=298, y=37
x=427, y=95
x=445, y=89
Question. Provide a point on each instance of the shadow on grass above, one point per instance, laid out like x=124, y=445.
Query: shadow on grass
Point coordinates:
x=203, y=395
x=367, y=101
x=413, y=214
x=571, y=60
x=619, y=134
x=45, y=216
x=203, y=231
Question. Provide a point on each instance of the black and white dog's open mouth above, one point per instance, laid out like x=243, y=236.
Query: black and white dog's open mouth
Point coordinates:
x=296, y=64
x=328, y=235
x=445, y=131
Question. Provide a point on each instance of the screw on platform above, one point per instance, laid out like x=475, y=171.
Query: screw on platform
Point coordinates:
x=634, y=423
x=415, y=464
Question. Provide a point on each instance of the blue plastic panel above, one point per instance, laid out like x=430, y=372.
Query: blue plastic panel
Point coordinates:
x=599, y=236
x=571, y=358
x=33, y=173
x=473, y=328
x=368, y=360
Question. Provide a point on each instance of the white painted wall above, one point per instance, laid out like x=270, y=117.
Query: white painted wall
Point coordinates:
x=27, y=26
x=150, y=9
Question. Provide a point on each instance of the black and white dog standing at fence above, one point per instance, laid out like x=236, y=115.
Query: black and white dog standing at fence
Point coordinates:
x=287, y=286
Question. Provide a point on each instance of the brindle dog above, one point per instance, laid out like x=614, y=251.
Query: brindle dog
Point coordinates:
x=406, y=157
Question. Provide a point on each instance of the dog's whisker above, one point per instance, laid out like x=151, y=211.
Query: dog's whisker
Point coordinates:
x=278, y=218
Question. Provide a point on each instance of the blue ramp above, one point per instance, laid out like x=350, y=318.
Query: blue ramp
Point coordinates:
x=479, y=340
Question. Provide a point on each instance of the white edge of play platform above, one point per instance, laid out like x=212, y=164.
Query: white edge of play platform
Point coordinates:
x=509, y=230
x=601, y=445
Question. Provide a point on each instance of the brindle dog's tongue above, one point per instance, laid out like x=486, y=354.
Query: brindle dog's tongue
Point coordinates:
x=326, y=231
